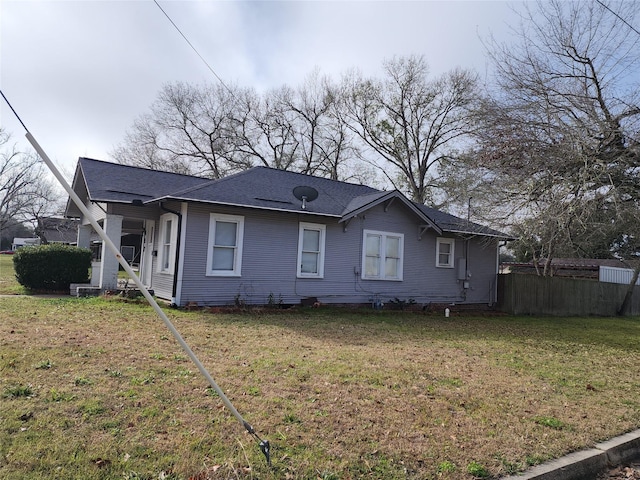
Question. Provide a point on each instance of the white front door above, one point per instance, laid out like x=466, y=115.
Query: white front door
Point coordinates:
x=146, y=257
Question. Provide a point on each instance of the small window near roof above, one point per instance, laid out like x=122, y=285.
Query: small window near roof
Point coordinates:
x=444, y=252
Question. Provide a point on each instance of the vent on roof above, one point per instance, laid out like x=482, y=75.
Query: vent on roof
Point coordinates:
x=126, y=192
x=273, y=200
x=305, y=194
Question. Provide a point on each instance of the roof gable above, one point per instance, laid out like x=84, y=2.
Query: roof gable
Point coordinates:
x=365, y=202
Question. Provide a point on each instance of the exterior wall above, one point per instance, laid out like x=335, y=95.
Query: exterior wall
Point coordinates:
x=616, y=275
x=269, y=262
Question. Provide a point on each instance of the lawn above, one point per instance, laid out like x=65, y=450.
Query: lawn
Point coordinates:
x=8, y=283
x=97, y=388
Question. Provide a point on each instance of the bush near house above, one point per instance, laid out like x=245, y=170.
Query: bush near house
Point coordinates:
x=51, y=267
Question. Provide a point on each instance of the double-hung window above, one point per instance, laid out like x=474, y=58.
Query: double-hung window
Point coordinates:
x=224, y=257
x=444, y=252
x=168, y=239
x=382, y=255
x=311, y=240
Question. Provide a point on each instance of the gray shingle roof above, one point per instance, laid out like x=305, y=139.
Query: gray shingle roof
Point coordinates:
x=453, y=224
x=258, y=187
x=112, y=182
x=268, y=188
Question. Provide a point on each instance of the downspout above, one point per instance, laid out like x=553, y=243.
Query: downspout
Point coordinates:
x=501, y=244
x=174, y=288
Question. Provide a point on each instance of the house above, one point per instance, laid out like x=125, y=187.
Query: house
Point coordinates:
x=271, y=235
x=65, y=231
x=57, y=230
x=587, y=268
x=19, y=242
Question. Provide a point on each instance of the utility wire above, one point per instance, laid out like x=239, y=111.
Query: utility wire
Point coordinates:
x=193, y=48
x=619, y=17
x=14, y=112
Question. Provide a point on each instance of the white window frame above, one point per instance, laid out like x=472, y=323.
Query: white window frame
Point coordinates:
x=167, y=252
x=382, y=255
x=322, y=229
x=446, y=241
x=237, y=258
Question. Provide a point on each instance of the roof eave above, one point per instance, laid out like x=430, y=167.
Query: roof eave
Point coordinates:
x=240, y=205
x=482, y=234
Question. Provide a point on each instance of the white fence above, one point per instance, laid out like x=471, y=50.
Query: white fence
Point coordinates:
x=616, y=275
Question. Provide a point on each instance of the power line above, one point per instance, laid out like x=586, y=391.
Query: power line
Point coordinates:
x=193, y=48
x=619, y=17
x=14, y=112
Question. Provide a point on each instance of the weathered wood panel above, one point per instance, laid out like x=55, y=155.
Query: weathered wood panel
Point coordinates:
x=533, y=295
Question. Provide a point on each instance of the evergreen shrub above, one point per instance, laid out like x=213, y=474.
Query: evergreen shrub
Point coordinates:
x=51, y=267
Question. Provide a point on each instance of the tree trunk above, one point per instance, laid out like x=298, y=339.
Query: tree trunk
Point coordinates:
x=626, y=303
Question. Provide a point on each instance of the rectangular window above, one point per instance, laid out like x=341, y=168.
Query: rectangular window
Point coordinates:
x=311, y=241
x=444, y=252
x=168, y=239
x=382, y=256
x=224, y=256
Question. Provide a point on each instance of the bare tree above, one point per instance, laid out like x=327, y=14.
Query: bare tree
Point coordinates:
x=25, y=193
x=215, y=131
x=325, y=141
x=412, y=123
x=296, y=129
x=189, y=129
x=559, y=139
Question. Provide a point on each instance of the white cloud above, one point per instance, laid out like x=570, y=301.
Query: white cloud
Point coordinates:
x=80, y=72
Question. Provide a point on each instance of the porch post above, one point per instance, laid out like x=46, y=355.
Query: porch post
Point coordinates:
x=84, y=236
x=109, y=263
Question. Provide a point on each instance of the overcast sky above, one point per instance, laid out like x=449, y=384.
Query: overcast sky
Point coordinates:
x=79, y=72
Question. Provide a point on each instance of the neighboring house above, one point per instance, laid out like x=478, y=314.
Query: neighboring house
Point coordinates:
x=271, y=235
x=57, y=230
x=588, y=268
x=65, y=231
x=24, y=242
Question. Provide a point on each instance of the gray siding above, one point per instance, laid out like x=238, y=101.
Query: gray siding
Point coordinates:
x=270, y=255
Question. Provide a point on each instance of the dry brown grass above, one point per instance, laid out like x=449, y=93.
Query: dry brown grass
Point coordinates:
x=339, y=394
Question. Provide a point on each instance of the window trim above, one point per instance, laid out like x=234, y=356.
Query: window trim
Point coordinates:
x=447, y=241
x=237, y=259
x=382, y=256
x=321, y=253
x=173, y=239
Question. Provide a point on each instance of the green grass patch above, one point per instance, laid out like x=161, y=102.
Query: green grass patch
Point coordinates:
x=8, y=283
x=17, y=391
x=478, y=470
x=550, y=422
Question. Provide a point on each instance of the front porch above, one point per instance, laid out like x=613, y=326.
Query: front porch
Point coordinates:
x=132, y=235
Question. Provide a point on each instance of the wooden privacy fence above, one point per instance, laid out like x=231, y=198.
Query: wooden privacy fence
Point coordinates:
x=520, y=294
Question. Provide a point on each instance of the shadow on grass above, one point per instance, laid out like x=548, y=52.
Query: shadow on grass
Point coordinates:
x=345, y=326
